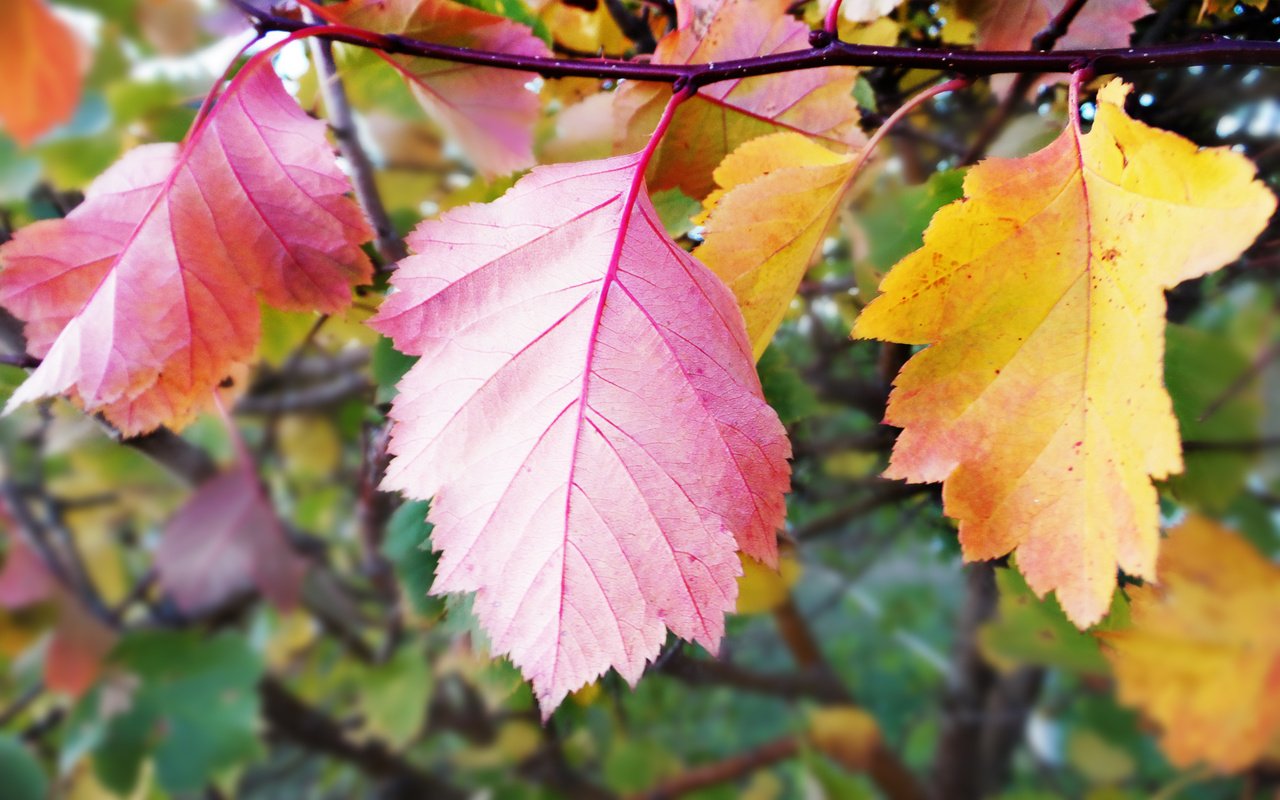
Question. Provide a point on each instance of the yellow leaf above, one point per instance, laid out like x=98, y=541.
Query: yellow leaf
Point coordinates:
x=1201, y=656
x=310, y=445
x=293, y=633
x=777, y=196
x=847, y=734
x=862, y=10
x=761, y=589
x=1041, y=400
x=516, y=741
x=584, y=31
x=587, y=694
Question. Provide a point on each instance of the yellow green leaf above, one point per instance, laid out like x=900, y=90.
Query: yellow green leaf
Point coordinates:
x=1041, y=402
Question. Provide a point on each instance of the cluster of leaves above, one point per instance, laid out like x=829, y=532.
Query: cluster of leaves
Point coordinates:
x=308, y=491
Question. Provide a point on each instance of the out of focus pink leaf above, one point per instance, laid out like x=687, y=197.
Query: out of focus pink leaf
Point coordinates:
x=226, y=540
x=490, y=112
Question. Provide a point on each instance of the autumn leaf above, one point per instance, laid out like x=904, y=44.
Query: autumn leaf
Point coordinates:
x=817, y=103
x=1041, y=401
x=80, y=642
x=145, y=297
x=1202, y=655
x=586, y=415
x=41, y=62
x=225, y=540
x=489, y=112
x=776, y=198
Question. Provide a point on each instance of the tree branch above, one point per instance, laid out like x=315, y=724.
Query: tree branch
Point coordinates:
x=342, y=122
x=826, y=53
x=291, y=718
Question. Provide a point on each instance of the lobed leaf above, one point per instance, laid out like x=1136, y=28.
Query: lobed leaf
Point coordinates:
x=778, y=195
x=145, y=297
x=1202, y=655
x=1041, y=401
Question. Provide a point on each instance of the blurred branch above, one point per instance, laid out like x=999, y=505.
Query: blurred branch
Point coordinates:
x=790, y=686
x=1043, y=42
x=171, y=451
x=886, y=493
x=1242, y=381
x=724, y=771
x=290, y=717
x=342, y=122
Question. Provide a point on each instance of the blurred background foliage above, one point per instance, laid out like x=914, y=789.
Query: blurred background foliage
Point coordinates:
x=873, y=651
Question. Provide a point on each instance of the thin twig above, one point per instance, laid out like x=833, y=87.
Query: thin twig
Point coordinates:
x=1043, y=42
x=828, y=54
x=342, y=122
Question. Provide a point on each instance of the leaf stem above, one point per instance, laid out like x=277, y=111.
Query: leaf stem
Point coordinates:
x=831, y=22
x=917, y=100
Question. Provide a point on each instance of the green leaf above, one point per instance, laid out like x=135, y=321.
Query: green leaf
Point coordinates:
x=676, y=210
x=895, y=220
x=1028, y=630
x=388, y=366
x=394, y=696
x=784, y=389
x=516, y=11
x=1199, y=368
x=195, y=710
x=20, y=774
x=408, y=546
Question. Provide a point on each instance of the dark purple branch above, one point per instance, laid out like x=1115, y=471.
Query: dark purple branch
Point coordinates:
x=1057, y=27
x=828, y=54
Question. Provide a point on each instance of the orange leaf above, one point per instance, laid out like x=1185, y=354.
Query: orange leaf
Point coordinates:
x=1041, y=402
x=145, y=298
x=711, y=124
x=41, y=63
x=1202, y=654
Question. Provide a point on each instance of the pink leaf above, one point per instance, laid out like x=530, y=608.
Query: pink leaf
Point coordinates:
x=488, y=111
x=588, y=418
x=1012, y=24
x=24, y=580
x=224, y=541
x=146, y=296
